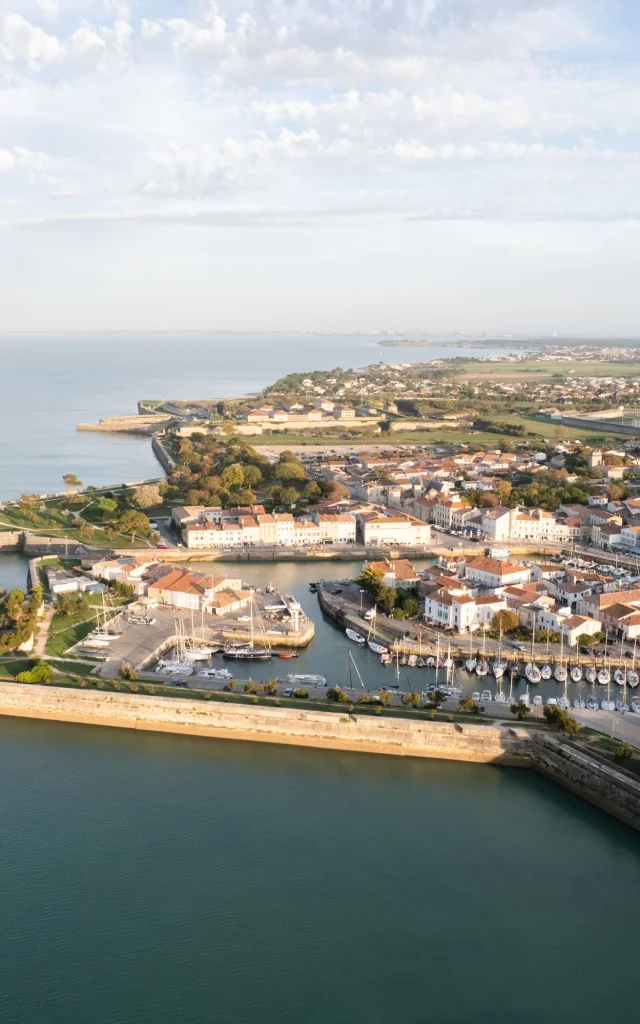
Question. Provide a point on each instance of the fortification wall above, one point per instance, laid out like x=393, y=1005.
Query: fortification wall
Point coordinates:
x=382, y=735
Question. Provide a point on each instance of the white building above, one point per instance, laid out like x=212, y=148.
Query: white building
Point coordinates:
x=461, y=611
x=493, y=572
x=385, y=529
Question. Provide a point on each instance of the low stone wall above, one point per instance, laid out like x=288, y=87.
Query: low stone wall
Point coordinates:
x=162, y=455
x=613, y=790
x=10, y=540
x=381, y=735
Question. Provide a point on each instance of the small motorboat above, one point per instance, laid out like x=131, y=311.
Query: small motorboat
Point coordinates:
x=579, y=704
x=431, y=662
x=385, y=659
x=576, y=674
x=592, y=703
x=524, y=699
x=215, y=673
x=470, y=664
x=475, y=695
x=632, y=678
x=551, y=702
x=403, y=660
x=619, y=677
x=564, y=703
x=560, y=674
x=622, y=706
x=356, y=637
x=499, y=697
x=285, y=654
x=420, y=662
x=546, y=672
x=485, y=696
x=635, y=705
x=307, y=677
x=412, y=660
x=590, y=674
x=376, y=648
x=537, y=701
x=604, y=677
x=607, y=705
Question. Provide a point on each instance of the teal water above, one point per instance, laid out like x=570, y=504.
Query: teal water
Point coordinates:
x=150, y=879
x=68, y=380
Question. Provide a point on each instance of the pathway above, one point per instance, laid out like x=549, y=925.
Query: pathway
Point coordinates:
x=40, y=644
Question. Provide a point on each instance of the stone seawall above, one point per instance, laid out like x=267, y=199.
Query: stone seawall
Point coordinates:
x=613, y=790
x=334, y=731
x=10, y=540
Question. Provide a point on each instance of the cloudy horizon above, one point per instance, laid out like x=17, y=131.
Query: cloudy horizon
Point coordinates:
x=424, y=165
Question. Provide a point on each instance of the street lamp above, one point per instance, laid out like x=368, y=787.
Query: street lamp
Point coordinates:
x=361, y=593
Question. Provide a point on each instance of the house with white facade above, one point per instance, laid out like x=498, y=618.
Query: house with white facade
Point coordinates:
x=462, y=612
x=383, y=528
x=494, y=572
x=399, y=573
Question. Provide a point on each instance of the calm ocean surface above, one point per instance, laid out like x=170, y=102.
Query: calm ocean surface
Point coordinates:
x=151, y=879
x=50, y=384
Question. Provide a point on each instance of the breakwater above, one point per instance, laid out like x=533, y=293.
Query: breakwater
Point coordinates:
x=601, y=783
x=330, y=730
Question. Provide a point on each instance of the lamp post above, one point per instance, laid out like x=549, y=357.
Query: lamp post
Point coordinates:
x=361, y=593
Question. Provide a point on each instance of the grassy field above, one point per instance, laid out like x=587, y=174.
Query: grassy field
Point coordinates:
x=67, y=630
x=534, y=370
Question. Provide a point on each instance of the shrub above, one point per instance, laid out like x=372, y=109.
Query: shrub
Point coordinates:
x=337, y=695
x=301, y=694
x=468, y=704
x=623, y=752
x=561, y=720
x=127, y=672
x=520, y=710
x=40, y=672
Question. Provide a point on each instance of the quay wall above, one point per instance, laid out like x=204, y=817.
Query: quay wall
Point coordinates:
x=162, y=455
x=334, y=731
x=10, y=540
x=612, y=789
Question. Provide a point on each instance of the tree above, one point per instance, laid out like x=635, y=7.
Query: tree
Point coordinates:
x=371, y=581
x=291, y=471
x=289, y=496
x=147, y=495
x=468, y=704
x=505, y=619
x=561, y=720
x=233, y=476
x=252, y=476
x=616, y=491
x=385, y=697
x=337, y=695
x=71, y=482
x=135, y=523
x=503, y=489
x=107, y=505
x=411, y=698
x=437, y=698
x=127, y=672
x=72, y=604
x=520, y=710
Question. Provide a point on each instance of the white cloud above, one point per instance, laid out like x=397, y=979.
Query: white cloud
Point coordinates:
x=320, y=112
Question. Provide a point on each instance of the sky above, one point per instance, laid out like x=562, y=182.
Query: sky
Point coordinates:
x=424, y=165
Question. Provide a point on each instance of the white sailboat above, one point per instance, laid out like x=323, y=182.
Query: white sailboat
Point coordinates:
x=632, y=675
x=372, y=643
x=481, y=667
x=471, y=662
x=179, y=664
x=531, y=670
x=560, y=671
x=546, y=671
x=357, y=638
x=619, y=675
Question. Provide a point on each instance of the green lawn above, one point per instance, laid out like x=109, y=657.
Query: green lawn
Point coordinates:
x=67, y=630
x=533, y=370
